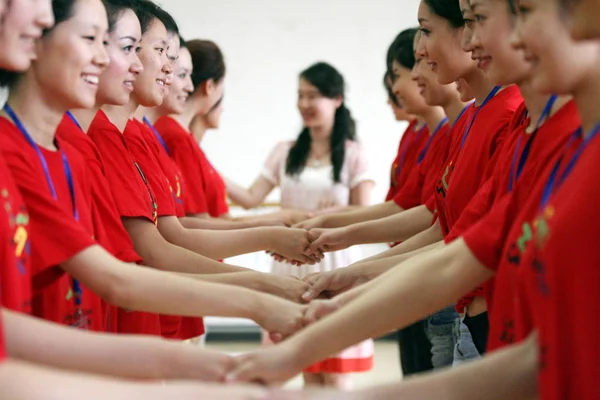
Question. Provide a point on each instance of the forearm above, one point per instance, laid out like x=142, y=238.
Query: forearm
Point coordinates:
x=430, y=282
x=242, y=196
x=158, y=253
x=395, y=228
x=377, y=265
x=426, y=240
x=39, y=342
x=249, y=279
x=217, y=224
x=361, y=214
x=24, y=381
x=140, y=288
x=506, y=374
x=221, y=244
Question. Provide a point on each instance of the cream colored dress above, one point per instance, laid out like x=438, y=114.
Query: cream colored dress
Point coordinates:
x=305, y=191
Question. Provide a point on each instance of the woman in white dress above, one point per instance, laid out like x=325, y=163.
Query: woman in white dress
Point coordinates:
x=324, y=167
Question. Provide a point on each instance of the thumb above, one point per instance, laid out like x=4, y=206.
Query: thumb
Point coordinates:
x=317, y=286
x=275, y=337
x=319, y=242
x=243, y=372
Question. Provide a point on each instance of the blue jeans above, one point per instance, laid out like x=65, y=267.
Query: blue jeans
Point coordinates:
x=440, y=331
x=465, y=349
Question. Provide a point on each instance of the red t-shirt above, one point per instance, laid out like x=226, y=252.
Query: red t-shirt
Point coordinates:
x=110, y=232
x=439, y=160
x=205, y=190
x=56, y=235
x=133, y=198
x=406, y=158
x=167, y=165
x=421, y=183
x=499, y=239
x=560, y=284
x=143, y=155
x=15, y=268
x=494, y=187
x=496, y=180
x=466, y=164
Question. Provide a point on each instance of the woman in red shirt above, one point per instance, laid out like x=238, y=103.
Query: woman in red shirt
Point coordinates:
x=36, y=356
x=52, y=178
x=537, y=299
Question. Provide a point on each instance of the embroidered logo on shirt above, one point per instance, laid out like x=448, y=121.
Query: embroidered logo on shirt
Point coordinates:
x=19, y=223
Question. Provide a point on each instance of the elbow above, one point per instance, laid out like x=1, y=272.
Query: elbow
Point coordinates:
x=249, y=204
x=118, y=291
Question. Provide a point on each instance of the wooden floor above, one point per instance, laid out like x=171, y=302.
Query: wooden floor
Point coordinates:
x=386, y=370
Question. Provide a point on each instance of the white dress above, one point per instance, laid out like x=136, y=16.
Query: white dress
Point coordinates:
x=305, y=191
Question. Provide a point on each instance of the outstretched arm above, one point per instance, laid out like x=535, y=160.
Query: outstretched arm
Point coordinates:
x=426, y=283
x=24, y=381
x=509, y=373
x=140, y=357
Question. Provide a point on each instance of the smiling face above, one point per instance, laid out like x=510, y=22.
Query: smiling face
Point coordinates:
x=443, y=43
x=315, y=109
x=559, y=65
x=149, y=87
x=492, y=23
x=22, y=24
x=407, y=90
x=434, y=93
x=116, y=83
x=173, y=47
x=182, y=87
x=71, y=58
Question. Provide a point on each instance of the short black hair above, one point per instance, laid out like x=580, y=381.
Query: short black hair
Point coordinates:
x=114, y=10
x=147, y=11
x=402, y=49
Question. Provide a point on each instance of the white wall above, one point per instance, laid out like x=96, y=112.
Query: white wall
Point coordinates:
x=267, y=43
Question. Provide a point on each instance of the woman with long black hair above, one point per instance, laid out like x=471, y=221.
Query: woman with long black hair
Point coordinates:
x=325, y=164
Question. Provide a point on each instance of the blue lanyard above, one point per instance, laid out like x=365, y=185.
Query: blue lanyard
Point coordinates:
x=72, y=118
x=426, y=149
x=76, y=286
x=514, y=175
x=555, y=181
x=487, y=99
x=160, y=139
x=462, y=113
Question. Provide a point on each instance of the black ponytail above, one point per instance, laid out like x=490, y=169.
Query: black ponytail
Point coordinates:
x=330, y=83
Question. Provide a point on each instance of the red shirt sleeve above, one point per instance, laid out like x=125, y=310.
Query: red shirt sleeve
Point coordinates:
x=401, y=167
x=184, y=150
x=216, y=193
x=486, y=239
x=133, y=198
x=150, y=167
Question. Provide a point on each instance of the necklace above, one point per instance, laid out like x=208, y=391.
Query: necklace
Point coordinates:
x=317, y=161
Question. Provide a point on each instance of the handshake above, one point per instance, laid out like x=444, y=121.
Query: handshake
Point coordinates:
x=273, y=364
x=302, y=244
x=283, y=319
